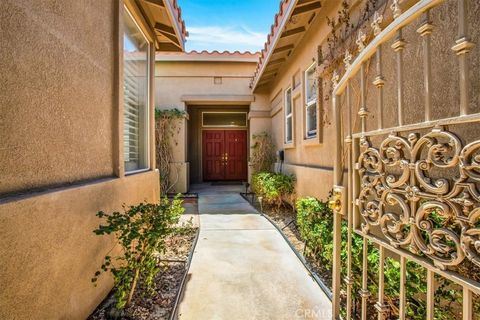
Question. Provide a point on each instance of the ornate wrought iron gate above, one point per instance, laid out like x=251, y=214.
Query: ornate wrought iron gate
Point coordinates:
x=412, y=189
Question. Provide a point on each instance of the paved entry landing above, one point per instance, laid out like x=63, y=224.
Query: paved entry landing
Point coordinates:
x=242, y=267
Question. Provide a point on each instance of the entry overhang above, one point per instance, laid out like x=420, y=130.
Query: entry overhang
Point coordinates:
x=165, y=18
x=217, y=99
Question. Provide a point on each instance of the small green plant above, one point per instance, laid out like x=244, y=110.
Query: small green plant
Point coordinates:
x=274, y=188
x=262, y=156
x=140, y=230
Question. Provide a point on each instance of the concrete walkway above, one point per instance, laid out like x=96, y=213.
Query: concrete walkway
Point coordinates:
x=242, y=267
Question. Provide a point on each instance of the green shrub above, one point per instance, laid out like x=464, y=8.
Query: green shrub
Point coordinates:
x=274, y=188
x=315, y=222
x=258, y=180
x=140, y=231
x=315, y=226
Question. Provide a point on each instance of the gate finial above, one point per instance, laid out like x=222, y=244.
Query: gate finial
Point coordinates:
x=347, y=59
x=397, y=11
x=361, y=41
x=335, y=78
x=377, y=21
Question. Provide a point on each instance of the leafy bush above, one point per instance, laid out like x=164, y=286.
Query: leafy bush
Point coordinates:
x=315, y=226
x=315, y=222
x=140, y=230
x=274, y=188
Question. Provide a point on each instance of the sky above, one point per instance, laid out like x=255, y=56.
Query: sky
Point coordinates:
x=230, y=25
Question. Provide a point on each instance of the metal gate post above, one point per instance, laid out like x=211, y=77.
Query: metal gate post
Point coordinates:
x=337, y=220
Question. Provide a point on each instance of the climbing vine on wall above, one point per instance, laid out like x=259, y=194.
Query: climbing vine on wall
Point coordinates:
x=340, y=27
x=345, y=28
x=350, y=29
x=167, y=129
x=262, y=155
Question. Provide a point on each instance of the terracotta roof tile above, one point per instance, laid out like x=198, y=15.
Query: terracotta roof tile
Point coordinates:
x=177, y=11
x=224, y=53
x=205, y=55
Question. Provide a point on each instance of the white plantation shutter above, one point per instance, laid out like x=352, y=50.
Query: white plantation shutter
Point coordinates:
x=310, y=102
x=288, y=116
x=131, y=113
x=135, y=85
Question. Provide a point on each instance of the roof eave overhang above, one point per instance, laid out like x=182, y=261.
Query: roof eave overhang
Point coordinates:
x=276, y=38
x=288, y=31
x=164, y=17
x=176, y=24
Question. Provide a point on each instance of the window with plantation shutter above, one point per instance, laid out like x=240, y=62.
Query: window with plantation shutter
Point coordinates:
x=310, y=102
x=288, y=116
x=136, y=95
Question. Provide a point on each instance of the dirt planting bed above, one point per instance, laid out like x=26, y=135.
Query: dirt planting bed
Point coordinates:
x=161, y=304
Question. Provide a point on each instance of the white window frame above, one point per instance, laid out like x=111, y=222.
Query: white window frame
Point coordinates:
x=309, y=134
x=144, y=149
x=288, y=115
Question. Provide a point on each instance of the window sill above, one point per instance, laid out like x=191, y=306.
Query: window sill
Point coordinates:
x=313, y=141
x=129, y=173
x=290, y=145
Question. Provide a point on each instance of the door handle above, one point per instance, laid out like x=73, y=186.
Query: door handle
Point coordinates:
x=225, y=158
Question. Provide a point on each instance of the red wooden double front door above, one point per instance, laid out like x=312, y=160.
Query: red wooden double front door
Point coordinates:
x=224, y=155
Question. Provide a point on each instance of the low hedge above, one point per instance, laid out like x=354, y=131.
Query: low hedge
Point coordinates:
x=274, y=188
x=315, y=223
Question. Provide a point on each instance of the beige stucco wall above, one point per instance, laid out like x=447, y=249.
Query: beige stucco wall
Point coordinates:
x=177, y=78
x=311, y=181
x=174, y=80
x=259, y=119
x=59, y=60
x=59, y=155
x=49, y=252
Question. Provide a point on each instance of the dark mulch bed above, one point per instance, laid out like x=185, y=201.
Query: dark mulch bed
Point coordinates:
x=160, y=305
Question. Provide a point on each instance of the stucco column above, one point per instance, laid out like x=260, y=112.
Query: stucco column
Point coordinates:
x=260, y=121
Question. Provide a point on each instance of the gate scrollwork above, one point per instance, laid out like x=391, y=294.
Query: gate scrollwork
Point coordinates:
x=422, y=193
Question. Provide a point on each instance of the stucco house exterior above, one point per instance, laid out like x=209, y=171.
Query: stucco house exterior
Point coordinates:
x=385, y=117
x=286, y=90
x=76, y=137
x=374, y=101
x=260, y=83
x=206, y=84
